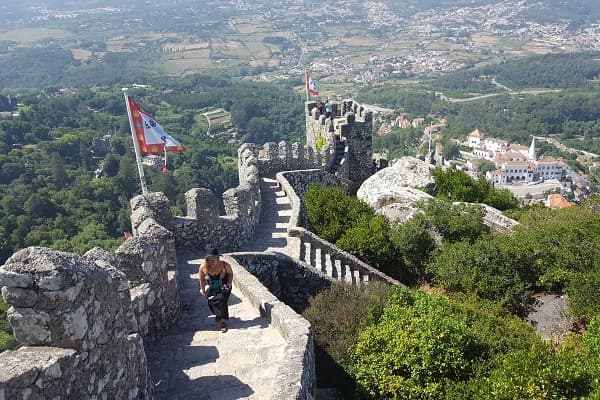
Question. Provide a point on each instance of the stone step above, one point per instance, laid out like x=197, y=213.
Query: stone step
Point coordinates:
x=194, y=360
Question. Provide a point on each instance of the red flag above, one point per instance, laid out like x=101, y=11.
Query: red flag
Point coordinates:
x=311, y=85
x=152, y=138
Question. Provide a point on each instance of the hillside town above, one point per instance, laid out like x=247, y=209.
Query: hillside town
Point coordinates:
x=518, y=168
x=351, y=41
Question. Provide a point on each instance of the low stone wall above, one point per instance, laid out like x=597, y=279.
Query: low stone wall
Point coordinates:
x=203, y=227
x=71, y=315
x=297, y=375
x=298, y=182
x=290, y=280
x=334, y=261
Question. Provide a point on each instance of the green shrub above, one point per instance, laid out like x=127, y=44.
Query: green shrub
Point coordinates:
x=7, y=340
x=488, y=268
x=584, y=292
x=338, y=313
x=455, y=222
x=369, y=240
x=336, y=316
x=455, y=185
x=414, y=244
x=416, y=350
x=331, y=212
x=320, y=142
x=537, y=373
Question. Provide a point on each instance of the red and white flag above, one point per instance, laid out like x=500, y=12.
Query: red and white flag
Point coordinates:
x=151, y=137
x=311, y=85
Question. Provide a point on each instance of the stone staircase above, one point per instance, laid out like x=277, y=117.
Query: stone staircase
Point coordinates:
x=194, y=360
x=271, y=232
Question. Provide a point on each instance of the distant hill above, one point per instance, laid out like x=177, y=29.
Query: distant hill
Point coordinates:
x=578, y=12
x=550, y=71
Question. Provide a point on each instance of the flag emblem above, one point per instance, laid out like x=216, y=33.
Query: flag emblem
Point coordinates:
x=311, y=85
x=152, y=138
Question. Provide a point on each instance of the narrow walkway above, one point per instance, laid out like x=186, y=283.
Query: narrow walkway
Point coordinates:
x=195, y=361
x=271, y=233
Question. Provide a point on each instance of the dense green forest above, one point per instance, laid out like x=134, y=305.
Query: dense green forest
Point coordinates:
x=551, y=71
x=572, y=115
x=467, y=341
x=48, y=189
x=44, y=66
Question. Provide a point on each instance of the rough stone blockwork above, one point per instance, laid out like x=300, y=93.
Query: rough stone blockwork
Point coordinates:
x=73, y=312
x=351, y=124
x=297, y=376
x=283, y=156
x=83, y=318
x=291, y=281
x=203, y=227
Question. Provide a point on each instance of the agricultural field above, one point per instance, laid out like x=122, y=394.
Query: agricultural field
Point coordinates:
x=30, y=36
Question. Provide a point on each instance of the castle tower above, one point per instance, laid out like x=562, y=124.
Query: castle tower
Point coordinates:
x=531, y=153
x=346, y=136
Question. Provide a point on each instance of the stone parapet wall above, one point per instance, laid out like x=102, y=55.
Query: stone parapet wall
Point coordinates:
x=297, y=375
x=203, y=227
x=290, y=280
x=153, y=287
x=331, y=261
x=335, y=262
x=72, y=316
x=284, y=156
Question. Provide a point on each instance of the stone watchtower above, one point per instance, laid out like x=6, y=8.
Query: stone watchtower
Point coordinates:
x=345, y=134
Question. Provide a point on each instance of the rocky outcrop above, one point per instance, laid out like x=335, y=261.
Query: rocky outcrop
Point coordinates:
x=393, y=192
x=396, y=184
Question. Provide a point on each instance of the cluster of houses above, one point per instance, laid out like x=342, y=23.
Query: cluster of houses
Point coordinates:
x=514, y=163
x=529, y=178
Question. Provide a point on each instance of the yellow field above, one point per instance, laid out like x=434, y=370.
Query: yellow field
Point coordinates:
x=27, y=35
x=360, y=41
x=258, y=49
x=81, y=54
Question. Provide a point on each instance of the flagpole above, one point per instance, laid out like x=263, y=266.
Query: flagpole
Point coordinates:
x=136, y=145
x=306, y=83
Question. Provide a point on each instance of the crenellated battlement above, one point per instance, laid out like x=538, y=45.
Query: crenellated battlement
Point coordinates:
x=203, y=226
x=347, y=130
x=284, y=156
x=82, y=320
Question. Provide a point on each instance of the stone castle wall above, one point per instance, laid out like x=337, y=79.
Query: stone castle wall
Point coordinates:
x=291, y=281
x=351, y=124
x=82, y=320
x=296, y=377
x=203, y=227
